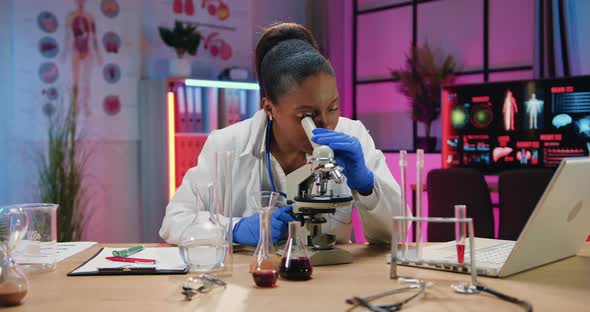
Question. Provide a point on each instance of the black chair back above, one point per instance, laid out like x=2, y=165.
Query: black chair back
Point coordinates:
x=519, y=192
x=458, y=186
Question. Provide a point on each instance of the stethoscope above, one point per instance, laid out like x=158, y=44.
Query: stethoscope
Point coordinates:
x=268, y=164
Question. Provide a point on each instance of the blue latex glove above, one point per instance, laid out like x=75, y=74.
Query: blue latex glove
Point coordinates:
x=348, y=154
x=247, y=230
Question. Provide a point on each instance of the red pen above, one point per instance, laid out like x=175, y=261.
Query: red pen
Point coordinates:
x=133, y=260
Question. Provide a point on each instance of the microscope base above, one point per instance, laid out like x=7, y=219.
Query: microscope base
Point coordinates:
x=325, y=256
x=328, y=256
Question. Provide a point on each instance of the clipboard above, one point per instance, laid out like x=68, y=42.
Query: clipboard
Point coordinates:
x=168, y=261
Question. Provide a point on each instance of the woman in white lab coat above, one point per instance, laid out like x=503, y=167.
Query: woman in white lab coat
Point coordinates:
x=295, y=80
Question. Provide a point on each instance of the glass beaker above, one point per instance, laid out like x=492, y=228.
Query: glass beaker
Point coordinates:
x=207, y=243
x=222, y=205
x=295, y=264
x=37, y=251
x=264, y=268
x=13, y=283
x=203, y=244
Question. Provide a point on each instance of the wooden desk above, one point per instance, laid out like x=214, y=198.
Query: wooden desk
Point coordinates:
x=561, y=286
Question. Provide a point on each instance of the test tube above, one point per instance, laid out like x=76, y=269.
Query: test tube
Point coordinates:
x=419, y=169
x=460, y=232
x=197, y=199
x=403, y=164
x=393, y=252
x=224, y=164
x=213, y=215
x=471, y=287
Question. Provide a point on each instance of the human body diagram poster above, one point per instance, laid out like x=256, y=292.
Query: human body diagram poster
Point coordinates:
x=79, y=54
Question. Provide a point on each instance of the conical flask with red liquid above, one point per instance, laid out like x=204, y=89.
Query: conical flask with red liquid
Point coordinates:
x=295, y=264
x=264, y=268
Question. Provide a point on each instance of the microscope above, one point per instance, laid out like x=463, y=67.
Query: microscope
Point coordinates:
x=310, y=188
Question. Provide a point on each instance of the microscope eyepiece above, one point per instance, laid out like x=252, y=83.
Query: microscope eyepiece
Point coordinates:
x=310, y=115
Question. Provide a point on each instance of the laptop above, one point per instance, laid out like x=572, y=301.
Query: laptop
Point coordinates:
x=556, y=229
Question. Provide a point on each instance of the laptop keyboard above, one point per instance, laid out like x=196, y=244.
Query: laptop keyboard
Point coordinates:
x=497, y=254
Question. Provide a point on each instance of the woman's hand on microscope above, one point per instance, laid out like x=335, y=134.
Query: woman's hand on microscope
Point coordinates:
x=247, y=230
x=348, y=153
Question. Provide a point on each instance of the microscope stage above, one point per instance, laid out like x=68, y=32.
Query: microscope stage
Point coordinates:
x=323, y=202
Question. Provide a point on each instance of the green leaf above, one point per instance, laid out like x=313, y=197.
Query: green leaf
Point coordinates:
x=61, y=173
x=421, y=79
x=182, y=38
x=167, y=36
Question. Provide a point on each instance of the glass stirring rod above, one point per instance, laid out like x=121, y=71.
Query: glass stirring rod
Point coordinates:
x=460, y=232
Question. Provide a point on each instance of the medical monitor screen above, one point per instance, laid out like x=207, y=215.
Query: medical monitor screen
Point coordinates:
x=516, y=124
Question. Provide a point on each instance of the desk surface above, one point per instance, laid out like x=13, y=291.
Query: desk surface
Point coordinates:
x=561, y=286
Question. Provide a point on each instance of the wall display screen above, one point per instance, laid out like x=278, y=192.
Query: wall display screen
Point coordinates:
x=516, y=124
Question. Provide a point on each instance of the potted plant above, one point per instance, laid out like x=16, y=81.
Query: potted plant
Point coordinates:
x=184, y=39
x=421, y=79
x=61, y=173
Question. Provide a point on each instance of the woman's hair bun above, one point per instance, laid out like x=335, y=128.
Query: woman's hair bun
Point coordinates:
x=277, y=33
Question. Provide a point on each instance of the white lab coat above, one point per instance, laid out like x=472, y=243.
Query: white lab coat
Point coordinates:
x=250, y=175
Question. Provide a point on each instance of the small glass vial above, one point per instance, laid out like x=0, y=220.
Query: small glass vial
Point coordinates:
x=295, y=264
x=264, y=269
x=13, y=283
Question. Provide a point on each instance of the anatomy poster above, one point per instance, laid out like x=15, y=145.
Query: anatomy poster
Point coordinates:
x=225, y=26
x=83, y=53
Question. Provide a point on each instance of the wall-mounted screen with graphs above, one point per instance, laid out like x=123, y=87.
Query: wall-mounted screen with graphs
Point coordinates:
x=516, y=124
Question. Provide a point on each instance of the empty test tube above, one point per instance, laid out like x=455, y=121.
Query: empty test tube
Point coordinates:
x=403, y=164
x=419, y=171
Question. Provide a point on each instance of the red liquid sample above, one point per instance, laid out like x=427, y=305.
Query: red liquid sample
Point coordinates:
x=460, y=253
x=265, y=278
x=299, y=269
x=11, y=294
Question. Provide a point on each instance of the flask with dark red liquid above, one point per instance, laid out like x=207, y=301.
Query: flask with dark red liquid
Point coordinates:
x=295, y=264
x=264, y=268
